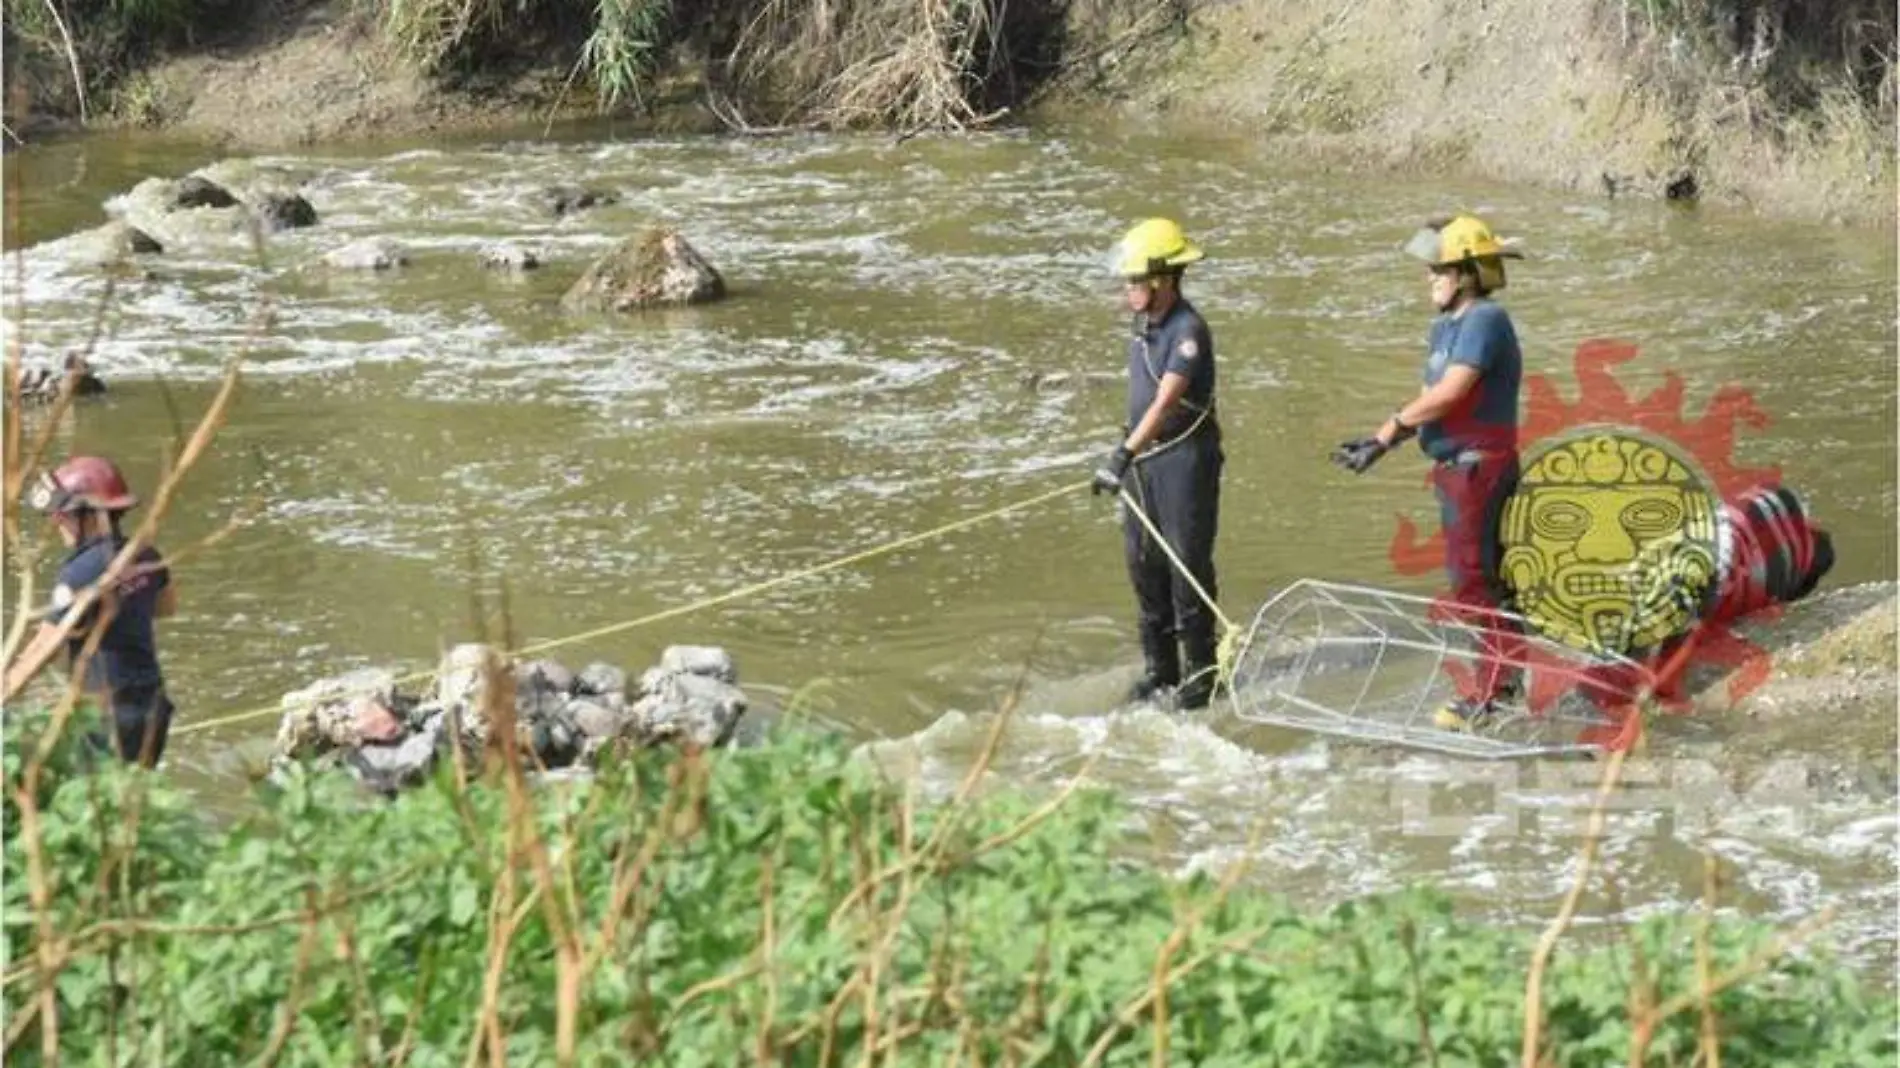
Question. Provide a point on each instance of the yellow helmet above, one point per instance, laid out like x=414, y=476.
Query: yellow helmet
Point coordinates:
x=1464, y=239
x=1154, y=246
x=1443, y=242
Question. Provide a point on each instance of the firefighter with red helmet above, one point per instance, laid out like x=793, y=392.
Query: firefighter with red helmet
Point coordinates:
x=87, y=496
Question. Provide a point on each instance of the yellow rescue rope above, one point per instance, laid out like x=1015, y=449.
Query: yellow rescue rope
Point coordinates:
x=1224, y=656
x=1223, y=666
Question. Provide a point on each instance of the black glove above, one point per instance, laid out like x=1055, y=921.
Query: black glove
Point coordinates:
x=1108, y=477
x=1359, y=454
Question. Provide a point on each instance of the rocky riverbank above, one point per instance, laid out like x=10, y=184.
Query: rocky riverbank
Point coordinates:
x=364, y=723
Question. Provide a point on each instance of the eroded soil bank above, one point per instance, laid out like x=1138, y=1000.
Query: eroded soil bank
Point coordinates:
x=1777, y=107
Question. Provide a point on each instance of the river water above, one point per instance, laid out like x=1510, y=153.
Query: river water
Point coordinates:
x=919, y=333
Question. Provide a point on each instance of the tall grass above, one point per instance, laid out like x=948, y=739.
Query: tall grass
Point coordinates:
x=905, y=64
x=622, y=43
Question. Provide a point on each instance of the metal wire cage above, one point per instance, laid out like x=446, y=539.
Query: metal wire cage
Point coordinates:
x=1376, y=667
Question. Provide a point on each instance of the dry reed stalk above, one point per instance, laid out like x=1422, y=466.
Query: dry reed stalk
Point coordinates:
x=1567, y=912
x=1587, y=853
x=366, y=1022
x=1125, y=1016
x=1644, y=1031
x=21, y=462
x=768, y=950
x=51, y=951
x=72, y=60
x=892, y=923
x=501, y=931
x=408, y=1041
x=1408, y=940
x=958, y=805
x=628, y=878
x=1709, y=1040
x=498, y=693
x=1165, y=973
x=293, y=1000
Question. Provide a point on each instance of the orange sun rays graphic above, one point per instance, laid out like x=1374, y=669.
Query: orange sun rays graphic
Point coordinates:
x=1710, y=441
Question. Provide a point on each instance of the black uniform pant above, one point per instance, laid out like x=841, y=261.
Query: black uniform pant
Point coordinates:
x=1179, y=490
x=141, y=721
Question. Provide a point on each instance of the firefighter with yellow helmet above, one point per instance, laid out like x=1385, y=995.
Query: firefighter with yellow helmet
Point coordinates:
x=1169, y=460
x=1465, y=419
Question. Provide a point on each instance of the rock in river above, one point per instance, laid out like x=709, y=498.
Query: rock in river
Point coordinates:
x=504, y=257
x=369, y=254
x=563, y=200
x=653, y=269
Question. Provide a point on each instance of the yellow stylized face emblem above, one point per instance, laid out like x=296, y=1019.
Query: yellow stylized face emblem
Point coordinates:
x=1609, y=542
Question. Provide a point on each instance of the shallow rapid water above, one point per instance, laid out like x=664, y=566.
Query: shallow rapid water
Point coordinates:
x=417, y=437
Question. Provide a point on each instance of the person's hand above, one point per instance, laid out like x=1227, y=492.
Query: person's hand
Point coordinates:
x=1359, y=454
x=1108, y=477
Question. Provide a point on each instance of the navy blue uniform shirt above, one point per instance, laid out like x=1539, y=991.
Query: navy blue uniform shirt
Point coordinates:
x=1181, y=343
x=127, y=658
x=1486, y=419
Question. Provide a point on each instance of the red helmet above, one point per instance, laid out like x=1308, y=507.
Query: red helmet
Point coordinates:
x=83, y=482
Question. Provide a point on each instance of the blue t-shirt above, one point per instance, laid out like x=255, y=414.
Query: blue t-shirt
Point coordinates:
x=1180, y=343
x=1486, y=418
x=127, y=657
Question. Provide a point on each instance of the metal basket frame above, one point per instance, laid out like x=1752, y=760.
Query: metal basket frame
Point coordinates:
x=1400, y=627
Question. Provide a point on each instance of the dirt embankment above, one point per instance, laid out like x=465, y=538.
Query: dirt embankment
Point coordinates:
x=286, y=73
x=1783, y=107
x=1778, y=105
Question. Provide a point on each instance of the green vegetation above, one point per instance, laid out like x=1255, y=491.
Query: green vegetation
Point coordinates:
x=622, y=41
x=781, y=905
x=73, y=53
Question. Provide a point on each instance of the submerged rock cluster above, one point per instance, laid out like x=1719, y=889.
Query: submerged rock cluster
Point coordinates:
x=224, y=203
x=363, y=723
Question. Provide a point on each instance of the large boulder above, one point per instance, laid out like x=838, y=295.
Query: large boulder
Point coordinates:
x=708, y=660
x=111, y=243
x=387, y=768
x=462, y=687
x=197, y=191
x=653, y=269
x=271, y=193
x=340, y=712
x=217, y=204
x=281, y=210
x=691, y=709
x=600, y=680
x=544, y=675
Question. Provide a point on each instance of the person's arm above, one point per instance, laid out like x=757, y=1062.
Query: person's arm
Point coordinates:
x=74, y=578
x=1432, y=403
x=167, y=601
x=1173, y=387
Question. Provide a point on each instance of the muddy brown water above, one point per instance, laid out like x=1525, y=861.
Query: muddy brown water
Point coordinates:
x=421, y=435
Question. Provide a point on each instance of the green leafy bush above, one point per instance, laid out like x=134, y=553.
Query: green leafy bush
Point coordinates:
x=781, y=904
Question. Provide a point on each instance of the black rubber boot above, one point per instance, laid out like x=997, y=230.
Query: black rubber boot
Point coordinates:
x=1203, y=665
x=1163, y=671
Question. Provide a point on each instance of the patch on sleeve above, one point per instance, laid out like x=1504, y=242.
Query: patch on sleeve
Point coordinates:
x=1187, y=349
x=62, y=596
